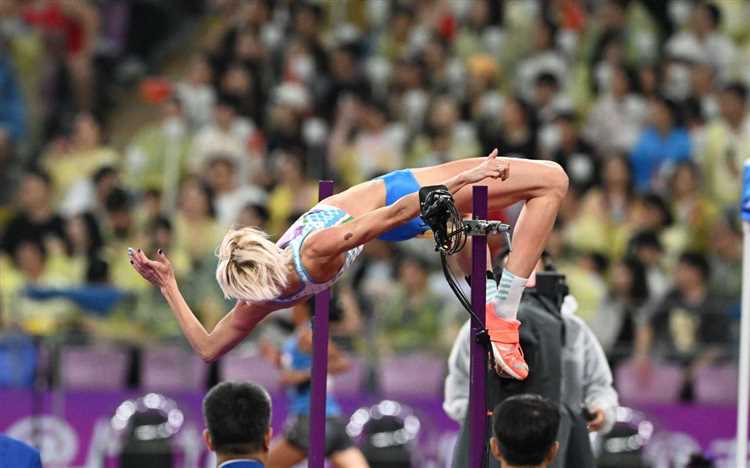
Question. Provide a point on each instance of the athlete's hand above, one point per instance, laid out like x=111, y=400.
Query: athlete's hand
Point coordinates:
x=490, y=168
x=158, y=272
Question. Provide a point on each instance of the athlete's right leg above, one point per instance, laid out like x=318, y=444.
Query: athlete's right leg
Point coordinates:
x=285, y=455
x=542, y=185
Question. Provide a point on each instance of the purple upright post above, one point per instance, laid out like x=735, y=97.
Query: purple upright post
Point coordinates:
x=477, y=375
x=319, y=376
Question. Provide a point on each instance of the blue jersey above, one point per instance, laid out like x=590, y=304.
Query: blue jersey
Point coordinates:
x=298, y=396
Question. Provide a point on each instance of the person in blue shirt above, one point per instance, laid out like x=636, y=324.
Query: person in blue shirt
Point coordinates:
x=664, y=141
x=16, y=454
x=238, y=424
x=296, y=364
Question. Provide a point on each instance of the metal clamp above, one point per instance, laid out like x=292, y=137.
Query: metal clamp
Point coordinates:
x=481, y=227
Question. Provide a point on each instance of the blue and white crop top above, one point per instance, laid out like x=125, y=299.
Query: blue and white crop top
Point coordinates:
x=319, y=217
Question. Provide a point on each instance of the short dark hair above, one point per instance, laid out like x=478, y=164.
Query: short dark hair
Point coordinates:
x=697, y=261
x=237, y=415
x=738, y=89
x=714, y=12
x=525, y=427
x=547, y=79
x=118, y=201
x=40, y=174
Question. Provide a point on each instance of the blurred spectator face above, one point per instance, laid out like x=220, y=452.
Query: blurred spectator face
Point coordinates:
x=568, y=132
x=171, y=109
x=660, y=115
x=224, y=115
x=544, y=93
x=253, y=12
x=727, y=240
x=34, y=193
x=513, y=114
x=731, y=106
x=289, y=170
x=649, y=255
x=702, y=79
x=77, y=232
x=622, y=280
x=652, y=216
x=702, y=21
x=649, y=80
x=152, y=203
x=162, y=236
x=434, y=54
x=612, y=15
x=236, y=81
x=343, y=65
x=253, y=215
x=543, y=36
x=407, y=75
x=619, y=86
x=401, y=24
x=479, y=14
x=104, y=184
x=300, y=65
x=194, y=201
x=85, y=131
x=444, y=114
x=688, y=277
x=221, y=174
x=412, y=275
x=371, y=117
x=120, y=221
x=30, y=259
x=249, y=47
x=200, y=71
x=616, y=173
x=685, y=181
x=307, y=21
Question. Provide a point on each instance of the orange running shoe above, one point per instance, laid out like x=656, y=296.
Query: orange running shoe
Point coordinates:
x=506, y=345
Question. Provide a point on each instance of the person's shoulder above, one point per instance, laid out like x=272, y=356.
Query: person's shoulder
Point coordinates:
x=18, y=453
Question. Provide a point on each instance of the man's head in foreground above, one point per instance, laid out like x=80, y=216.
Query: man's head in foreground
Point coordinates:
x=525, y=432
x=238, y=421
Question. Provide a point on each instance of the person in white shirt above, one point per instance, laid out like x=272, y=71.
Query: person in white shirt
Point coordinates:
x=228, y=134
x=230, y=195
x=702, y=41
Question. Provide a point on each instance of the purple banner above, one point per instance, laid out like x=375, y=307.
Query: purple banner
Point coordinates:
x=67, y=426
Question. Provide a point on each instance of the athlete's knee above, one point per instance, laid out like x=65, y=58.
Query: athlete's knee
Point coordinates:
x=556, y=180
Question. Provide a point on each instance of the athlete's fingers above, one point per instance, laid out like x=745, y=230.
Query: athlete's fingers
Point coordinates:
x=493, y=154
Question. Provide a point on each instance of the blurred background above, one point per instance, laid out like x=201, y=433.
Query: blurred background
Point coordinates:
x=159, y=124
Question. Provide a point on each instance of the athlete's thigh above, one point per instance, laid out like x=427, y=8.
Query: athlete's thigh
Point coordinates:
x=285, y=455
x=526, y=179
x=349, y=458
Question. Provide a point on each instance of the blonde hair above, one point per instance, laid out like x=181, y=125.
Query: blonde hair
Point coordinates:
x=251, y=267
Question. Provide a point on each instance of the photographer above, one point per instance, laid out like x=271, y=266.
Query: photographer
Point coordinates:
x=571, y=369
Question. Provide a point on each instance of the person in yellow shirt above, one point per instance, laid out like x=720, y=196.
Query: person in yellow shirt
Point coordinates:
x=79, y=157
x=197, y=231
x=727, y=145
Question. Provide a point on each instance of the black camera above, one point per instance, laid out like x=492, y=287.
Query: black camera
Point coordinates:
x=552, y=285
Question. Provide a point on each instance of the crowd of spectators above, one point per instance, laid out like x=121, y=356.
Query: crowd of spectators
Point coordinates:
x=643, y=103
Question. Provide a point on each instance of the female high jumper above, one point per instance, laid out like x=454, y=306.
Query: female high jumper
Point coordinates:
x=316, y=250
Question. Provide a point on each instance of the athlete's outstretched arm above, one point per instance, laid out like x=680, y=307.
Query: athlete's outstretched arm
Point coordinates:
x=230, y=330
x=337, y=239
